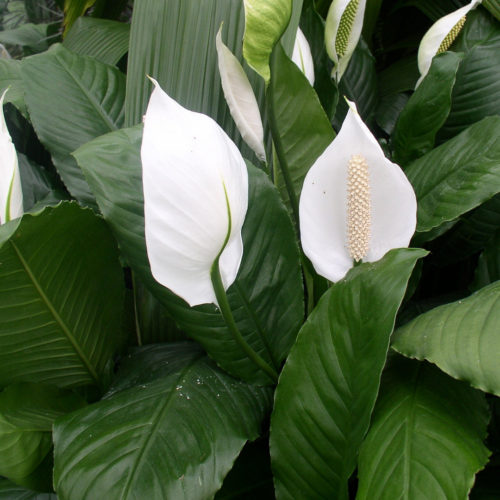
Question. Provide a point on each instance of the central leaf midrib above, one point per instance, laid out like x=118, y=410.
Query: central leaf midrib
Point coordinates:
x=157, y=419
x=62, y=325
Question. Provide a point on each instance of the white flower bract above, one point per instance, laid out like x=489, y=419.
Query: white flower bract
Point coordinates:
x=302, y=56
x=195, y=199
x=327, y=203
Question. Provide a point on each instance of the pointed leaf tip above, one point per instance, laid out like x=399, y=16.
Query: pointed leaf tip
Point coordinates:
x=195, y=199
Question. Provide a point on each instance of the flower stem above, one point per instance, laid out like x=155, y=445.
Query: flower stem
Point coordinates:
x=225, y=309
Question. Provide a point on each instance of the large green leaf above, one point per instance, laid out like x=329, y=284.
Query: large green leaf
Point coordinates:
x=61, y=297
x=330, y=381
x=359, y=84
x=461, y=338
x=73, y=9
x=426, y=436
x=27, y=412
x=457, y=176
x=426, y=111
x=11, y=491
x=10, y=77
x=300, y=128
x=33, y=36
x=267, y=296
x=389, y=109
x=493, y=6
x=106, y=41
x=171, y=426
x=265, y=23
x=71, y=100
x=401, y=76
x=476, y=93
x=173, y=41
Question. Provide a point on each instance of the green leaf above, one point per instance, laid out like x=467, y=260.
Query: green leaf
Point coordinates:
x=426, y=111
x=372, y=10
x=426, y=436
x=493, y=6
x=171, y=426
x=437, y=9
x=106, y=41
x=11, y=491
x=389, y=109
x=488, y=267
x=268, y=306
x=89, y=103
x=476, y=93
x=189, y=72
x=265, y=23
x=251, y=476
x=10, y=77
x=73, y=9
x=461, y=338
x=60, y=326
x=33, y=36
x=359, y=84
x=300, y=128
x=468, y=175
x=470, y=234
x=329, y=384
x=27, y=412
x=402, y=76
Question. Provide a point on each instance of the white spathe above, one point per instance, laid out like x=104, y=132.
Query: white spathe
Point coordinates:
x=332, y=26
x=11, y=193
x=433, y=39
x=302, y=56
x=195, y=199
x=240, y=99
x=323, y=202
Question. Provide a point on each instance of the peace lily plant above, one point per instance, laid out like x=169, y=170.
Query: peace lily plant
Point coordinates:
x=342, y=31
x=355, y=203
x=440, y=37
x=11, y=194
x=302, y=56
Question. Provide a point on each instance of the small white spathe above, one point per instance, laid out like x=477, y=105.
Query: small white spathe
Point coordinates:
x=433, y=39
x=195, y=199
x=334, y=29
x=11, y=193
x=302, y=56
x=323, y=202
x=240, y=99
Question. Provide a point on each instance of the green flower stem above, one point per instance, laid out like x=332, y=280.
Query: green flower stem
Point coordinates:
x=220, y=293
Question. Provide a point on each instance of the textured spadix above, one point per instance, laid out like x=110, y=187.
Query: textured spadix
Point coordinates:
x=342, y=31
x=11, y=194
x=240, y=99
x=195, y=199
x=302, y=56
x=329, y=236
x=440, y=36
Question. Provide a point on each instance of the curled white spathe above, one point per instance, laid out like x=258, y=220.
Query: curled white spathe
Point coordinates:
x=195, y=199
x=11, y=193
x=240, y=99
x=433, y=39
x=302, y=56
x=332, y=27
x=323, y=202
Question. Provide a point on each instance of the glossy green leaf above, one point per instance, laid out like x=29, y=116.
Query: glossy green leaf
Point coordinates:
x=73, y=9
x=265, y=23
x=89, y=103
x=328, y=387
x=426, y=111
x=389, y=109
x=33, y=36
x=11, y=491
x=468, y=175
x=61, y=297
x=27, y=412
x=300, y=128
x=106, y=41
x=426, y=436
x=359, y=85
x=189, y=72
x=493, y=6
x=476, y=93
x=251, y=476
x=402, y=76
x=170, y=427
x=461, y=338
x=10, y=77
x=488, y=267
x=268, y=306
x=470, y=234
